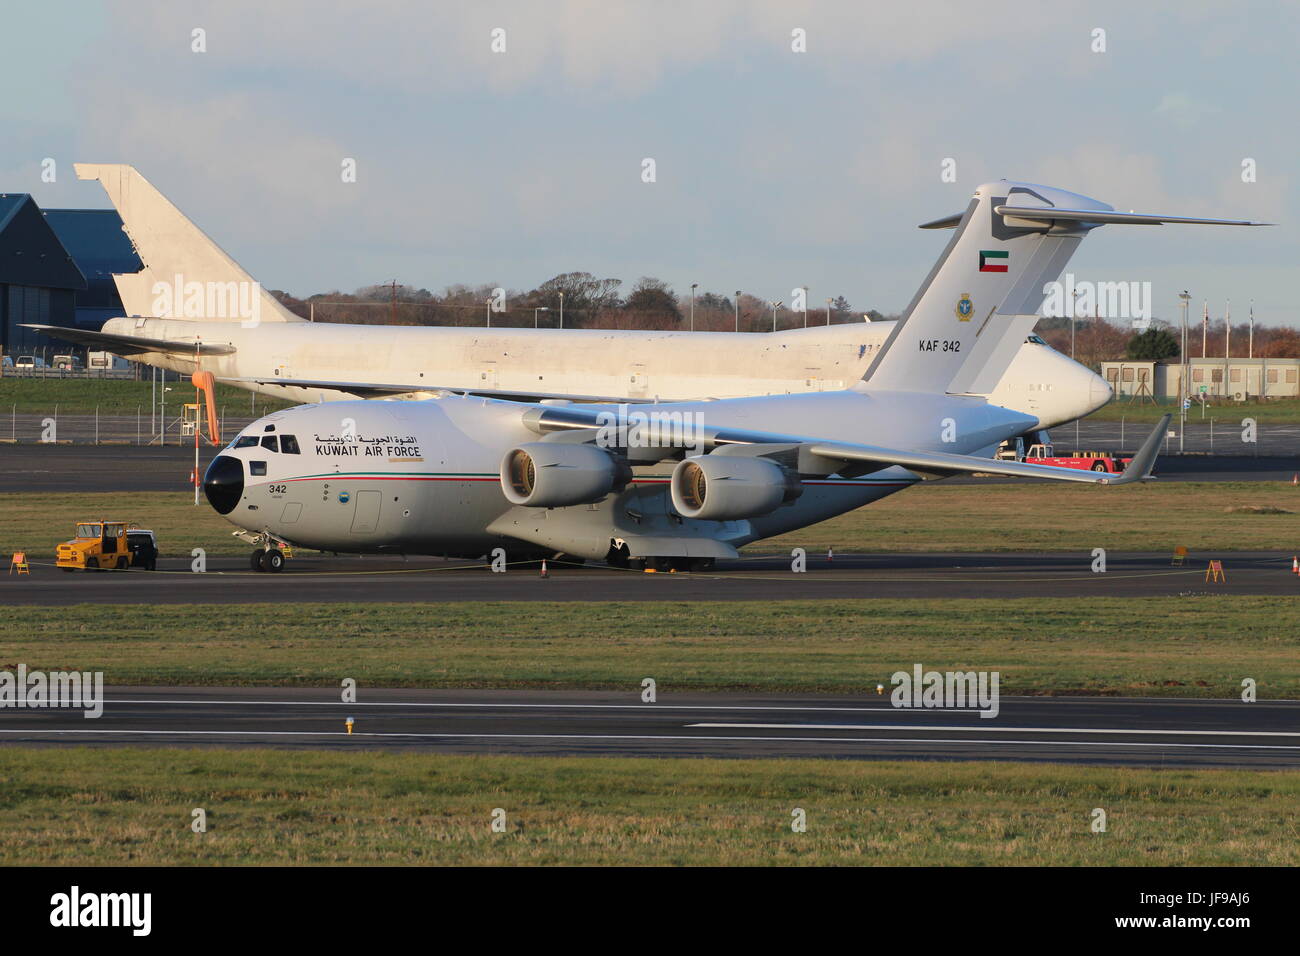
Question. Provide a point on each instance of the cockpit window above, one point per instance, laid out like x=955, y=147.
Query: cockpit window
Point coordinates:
x=1036, y=340
x=246, y=441
x=270, y=441
x=289, y=444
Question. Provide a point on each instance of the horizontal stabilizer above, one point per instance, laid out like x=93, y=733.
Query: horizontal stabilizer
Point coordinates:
x=947, y=222
x=1101, y=217
x=132, y=344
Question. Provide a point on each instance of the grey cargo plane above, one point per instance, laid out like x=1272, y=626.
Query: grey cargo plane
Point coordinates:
x=681, y=484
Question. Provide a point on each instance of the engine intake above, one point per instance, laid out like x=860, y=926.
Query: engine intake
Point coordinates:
x=555, y=475
x=728, y=487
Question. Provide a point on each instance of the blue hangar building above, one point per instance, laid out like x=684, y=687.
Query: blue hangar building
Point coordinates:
x=56, y=268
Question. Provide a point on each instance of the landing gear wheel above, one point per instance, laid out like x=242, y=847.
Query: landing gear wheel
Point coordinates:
x=255, y=560
x=1099, y=466
x=273, y=560
x=618, y=556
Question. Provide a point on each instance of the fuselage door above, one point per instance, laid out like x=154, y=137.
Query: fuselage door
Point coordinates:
x=365, y=520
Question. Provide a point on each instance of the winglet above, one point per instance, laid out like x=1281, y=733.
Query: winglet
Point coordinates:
x=1139, y=469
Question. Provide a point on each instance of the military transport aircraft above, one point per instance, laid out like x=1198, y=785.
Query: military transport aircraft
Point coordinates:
x=680, y=484
x=193, y=308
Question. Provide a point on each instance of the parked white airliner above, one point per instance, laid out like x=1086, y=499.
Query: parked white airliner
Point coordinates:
x=681, y=484
x=226, y=324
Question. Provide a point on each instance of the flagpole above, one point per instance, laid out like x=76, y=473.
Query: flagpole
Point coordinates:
x=1205, y=324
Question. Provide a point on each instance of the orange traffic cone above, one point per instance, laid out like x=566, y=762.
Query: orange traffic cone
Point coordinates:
x=830, y=554
x=545, y=573
x=1295, y=564
x=1295, y=480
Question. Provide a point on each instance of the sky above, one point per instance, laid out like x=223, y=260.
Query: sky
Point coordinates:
x=773, y=168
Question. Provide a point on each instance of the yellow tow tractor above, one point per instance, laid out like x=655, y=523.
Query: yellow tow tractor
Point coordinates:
x=98, y=545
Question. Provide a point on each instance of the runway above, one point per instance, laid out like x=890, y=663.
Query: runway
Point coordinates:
x=1122, y=731
x=325, y=580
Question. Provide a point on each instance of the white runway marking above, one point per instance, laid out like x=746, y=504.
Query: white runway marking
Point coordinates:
x=675, y=737
x=644, y=707
x=1006, y=730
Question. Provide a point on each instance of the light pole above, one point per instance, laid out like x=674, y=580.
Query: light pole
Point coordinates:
x=1182, y=377
x=1074, y=312
x=694, y=286
x=805, y=305
x=489, y=313
x=775, y=305
x=828, y=311
x=540, y=308
x=1250, y=344
x=561, y=310
x=737, y=310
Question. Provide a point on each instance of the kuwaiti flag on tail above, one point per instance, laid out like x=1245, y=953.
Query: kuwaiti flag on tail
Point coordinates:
x=994, y=260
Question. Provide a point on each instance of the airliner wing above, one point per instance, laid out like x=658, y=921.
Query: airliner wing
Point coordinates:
x=388, y=390
x=132, y=344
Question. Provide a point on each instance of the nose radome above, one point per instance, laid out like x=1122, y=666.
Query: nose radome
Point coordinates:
x=223, y=484
x=1099, y=392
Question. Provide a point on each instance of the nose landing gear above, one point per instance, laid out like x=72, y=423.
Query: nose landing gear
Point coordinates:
x=269, y=554
x=269, y=559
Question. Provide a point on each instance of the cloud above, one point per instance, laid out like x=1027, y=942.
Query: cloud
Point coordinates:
x=1184, y=110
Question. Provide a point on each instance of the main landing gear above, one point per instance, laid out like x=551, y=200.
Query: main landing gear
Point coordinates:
x=619, y=557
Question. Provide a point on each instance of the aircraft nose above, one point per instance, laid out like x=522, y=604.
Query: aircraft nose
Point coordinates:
x=223, y=484
x=1099, y=392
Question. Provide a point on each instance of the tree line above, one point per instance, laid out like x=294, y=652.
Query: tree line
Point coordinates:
x=587, y=302
x=590, y=302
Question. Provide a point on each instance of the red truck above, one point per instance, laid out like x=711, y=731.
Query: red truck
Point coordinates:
x=1093, y=460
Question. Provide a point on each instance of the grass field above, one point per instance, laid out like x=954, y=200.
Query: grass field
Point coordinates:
x=118, y=397
x=80, y=396
x=1200, y=646
x=1281, y=411
x=101, y=807
x=951, y=518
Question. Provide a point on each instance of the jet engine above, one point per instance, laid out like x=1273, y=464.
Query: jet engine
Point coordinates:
x=726, y=487
x=556, y=475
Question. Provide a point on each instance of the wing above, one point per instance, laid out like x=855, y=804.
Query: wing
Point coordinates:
x=132, y=344
x=391, y=389
x=936, y=464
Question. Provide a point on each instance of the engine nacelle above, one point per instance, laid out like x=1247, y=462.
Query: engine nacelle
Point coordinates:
x=556, y=475
x=728, y=487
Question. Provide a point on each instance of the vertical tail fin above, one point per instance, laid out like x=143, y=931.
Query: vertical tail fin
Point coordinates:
x=964, y=325
x=170, y=246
